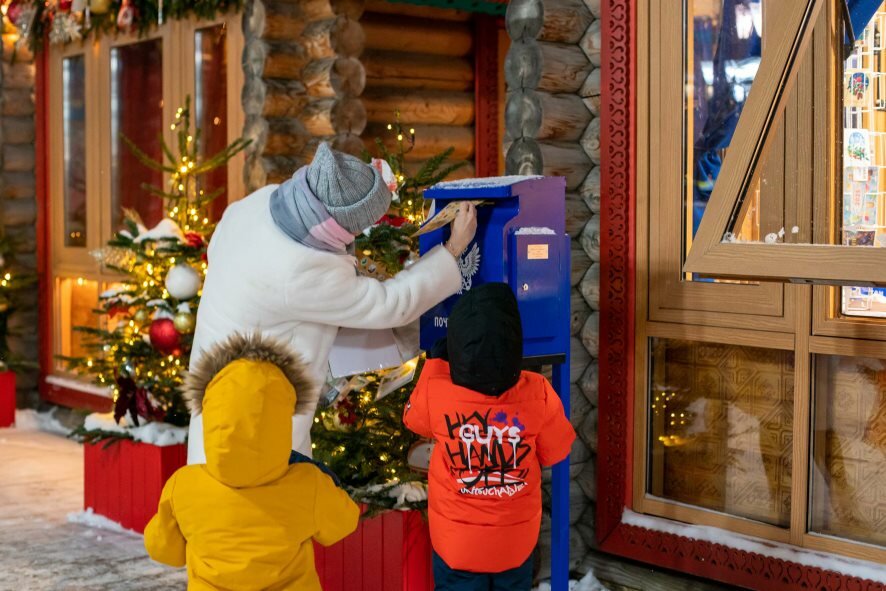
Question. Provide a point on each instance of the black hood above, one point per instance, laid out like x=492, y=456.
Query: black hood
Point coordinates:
x=485, y=340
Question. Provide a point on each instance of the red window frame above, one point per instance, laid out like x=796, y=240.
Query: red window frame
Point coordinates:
x=617, y=346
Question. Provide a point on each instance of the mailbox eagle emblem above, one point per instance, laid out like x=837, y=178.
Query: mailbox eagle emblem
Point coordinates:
x=469, y=264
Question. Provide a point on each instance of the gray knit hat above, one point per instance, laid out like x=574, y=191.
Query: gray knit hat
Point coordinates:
x=352, y=191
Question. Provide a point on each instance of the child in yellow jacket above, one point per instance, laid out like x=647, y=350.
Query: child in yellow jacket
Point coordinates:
x=247, y=519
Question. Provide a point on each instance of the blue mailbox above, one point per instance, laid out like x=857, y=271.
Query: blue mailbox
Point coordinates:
x=521, y=240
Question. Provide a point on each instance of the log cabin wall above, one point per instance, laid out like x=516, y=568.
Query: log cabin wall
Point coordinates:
x=420, y=61
x=18, y=207
x=337, y=70
x=302, y=83
x=552, y=72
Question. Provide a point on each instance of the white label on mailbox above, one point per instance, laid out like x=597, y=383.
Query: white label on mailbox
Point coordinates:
x=537, y=251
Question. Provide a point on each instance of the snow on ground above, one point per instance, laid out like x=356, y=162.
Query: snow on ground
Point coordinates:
x=41, y=483
x=588, y=583
x=31, y=420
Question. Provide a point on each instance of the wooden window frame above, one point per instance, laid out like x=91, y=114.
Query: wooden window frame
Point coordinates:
x=812, y=263
x=766, y=306
x=625, y=143
x=56, y=260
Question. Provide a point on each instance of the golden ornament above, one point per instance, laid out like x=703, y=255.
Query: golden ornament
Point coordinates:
x=141, y=316
x=184, y=322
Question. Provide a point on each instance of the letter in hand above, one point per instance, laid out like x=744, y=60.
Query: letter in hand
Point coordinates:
x=464, y=227
x=447, y=215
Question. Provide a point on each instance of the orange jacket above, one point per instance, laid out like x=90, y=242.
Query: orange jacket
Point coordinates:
x=485, y=474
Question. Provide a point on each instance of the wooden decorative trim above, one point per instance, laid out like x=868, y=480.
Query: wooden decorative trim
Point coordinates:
x=44, y=262
x=617, y=359
x=719, y=562
x=75, y=398
x=486, y=77
x=617, y=259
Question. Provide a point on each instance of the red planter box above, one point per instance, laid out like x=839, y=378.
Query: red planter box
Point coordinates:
x=123, y=482
x=390, y=552
x=7, y=399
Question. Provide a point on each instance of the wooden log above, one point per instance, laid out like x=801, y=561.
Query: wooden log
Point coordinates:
x=552, y=67
x=523, y=157
x=420, y=106
x=565, y=159
x=590, y=140
x=591, y=86
x=335, y=37
x=283, y=99
x=349, y=143
x=579, y=313
x=314, y=10
x=590, y=190
x=580, y=262
x=524, y=19
x=589, y=382
x=565, y=21
x=419, y=84
x=590, y=287
x=328, y=117
x=283, y=25
x=284, y=62
x=353, y=9
x=333, y=77
x=542, y=115
x=416, y=66
x=591, y=43
x=416, y=10
x=414, y=35
x=590, y=334
x=577, y=214
x=590, y=239
x=430, y=140
x=467, y=170
x=280, y=168
x=286, y=137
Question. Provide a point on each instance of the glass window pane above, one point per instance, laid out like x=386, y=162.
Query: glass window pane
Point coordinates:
x=849, y=449
x=722, y=58
x=78, y=298
x=210, y=103
x=74, y=113
x=863, y=220
x=137, y=113
x=721, y=419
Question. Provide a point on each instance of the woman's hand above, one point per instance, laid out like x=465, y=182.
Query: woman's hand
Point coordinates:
x=464, y=226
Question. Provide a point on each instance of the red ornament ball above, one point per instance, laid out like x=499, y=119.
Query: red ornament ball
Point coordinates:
x=14, y=11
x=163, y=335
x=65, y=5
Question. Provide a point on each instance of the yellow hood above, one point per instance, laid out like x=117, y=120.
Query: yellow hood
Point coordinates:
x=246, y=389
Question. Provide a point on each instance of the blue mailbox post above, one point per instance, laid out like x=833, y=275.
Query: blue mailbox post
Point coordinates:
x=521, y=240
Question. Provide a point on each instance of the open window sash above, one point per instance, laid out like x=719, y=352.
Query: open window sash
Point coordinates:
x=711, y=252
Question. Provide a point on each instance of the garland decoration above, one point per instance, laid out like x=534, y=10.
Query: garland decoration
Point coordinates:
x=70, y=21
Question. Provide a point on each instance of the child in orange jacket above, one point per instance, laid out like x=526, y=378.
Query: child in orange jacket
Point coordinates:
x=494, y=427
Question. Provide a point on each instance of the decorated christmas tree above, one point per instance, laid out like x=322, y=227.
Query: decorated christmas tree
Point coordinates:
x=143, y=342
x=14, y=283
x=359, y=433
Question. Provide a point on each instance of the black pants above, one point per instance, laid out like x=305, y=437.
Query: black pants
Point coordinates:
x=449, y=579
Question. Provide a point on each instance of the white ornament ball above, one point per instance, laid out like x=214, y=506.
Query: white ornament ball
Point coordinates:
x=183, y=282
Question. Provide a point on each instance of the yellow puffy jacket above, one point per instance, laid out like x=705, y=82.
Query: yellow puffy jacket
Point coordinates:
x=247, y=519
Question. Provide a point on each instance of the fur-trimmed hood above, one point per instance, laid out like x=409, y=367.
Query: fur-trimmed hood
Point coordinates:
x=253, y=347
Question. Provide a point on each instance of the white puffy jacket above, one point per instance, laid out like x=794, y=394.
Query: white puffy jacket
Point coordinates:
x=261, y=280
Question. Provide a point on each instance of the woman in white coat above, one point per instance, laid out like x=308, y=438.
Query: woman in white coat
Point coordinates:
x=279, y=266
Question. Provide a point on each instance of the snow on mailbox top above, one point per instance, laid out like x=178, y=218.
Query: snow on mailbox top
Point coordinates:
x=496, y=186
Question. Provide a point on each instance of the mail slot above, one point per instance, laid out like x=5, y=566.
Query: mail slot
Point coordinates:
x=521, y=241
